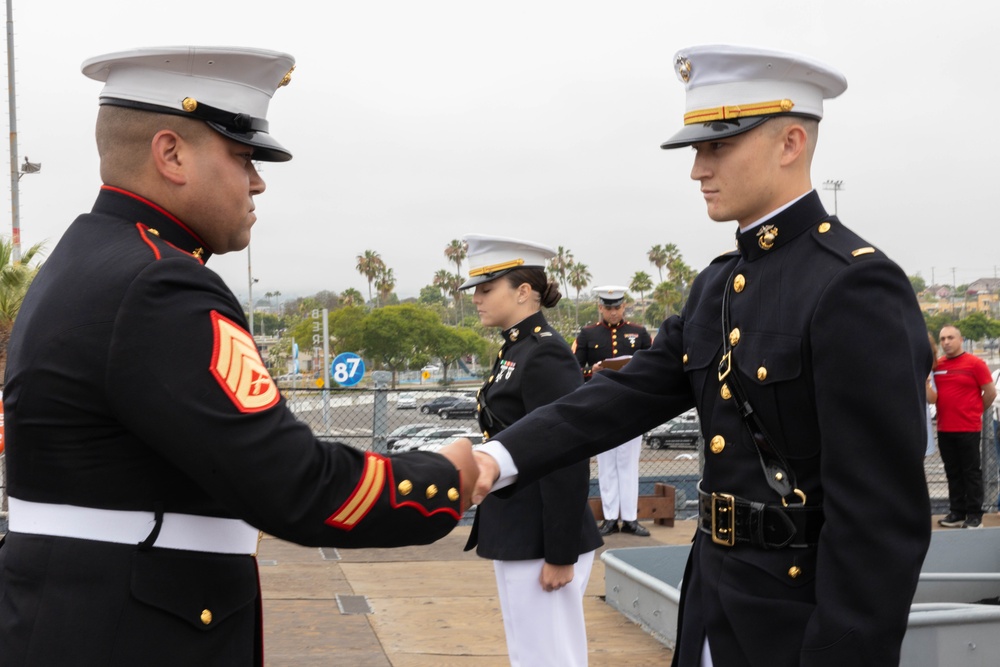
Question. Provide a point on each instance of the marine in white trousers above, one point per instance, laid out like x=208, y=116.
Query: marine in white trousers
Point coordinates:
x=543, y=629
x=618, y=477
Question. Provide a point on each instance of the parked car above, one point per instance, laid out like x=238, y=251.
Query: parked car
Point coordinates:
x=406, y=401
x=435, y=405
x=463, y=408
x=406, y=431
x=676, y=433
x=422, y=437
x=434, y=444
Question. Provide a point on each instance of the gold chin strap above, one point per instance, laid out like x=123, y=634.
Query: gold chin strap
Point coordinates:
x=735, y=111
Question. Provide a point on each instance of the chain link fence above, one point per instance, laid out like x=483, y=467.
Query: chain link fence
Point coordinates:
x=374, y=419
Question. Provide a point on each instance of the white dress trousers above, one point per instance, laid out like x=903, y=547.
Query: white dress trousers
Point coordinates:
x=618, y=477
x=543, y=629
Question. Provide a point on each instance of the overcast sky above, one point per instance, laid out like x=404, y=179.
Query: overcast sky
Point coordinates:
x=414, y=122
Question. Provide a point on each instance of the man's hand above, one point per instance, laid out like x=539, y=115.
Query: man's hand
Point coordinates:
x=489, y=472
x=459, y=453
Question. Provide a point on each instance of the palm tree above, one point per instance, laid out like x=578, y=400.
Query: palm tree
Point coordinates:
x=453, y=285
x=669, y=297
x=385, y=282
x=456, y=251
x=441, y=280
x=559, y=267
x=579, y=277
x=641, y=283
x=15, y=277
x=370, y=265
x=350, y=297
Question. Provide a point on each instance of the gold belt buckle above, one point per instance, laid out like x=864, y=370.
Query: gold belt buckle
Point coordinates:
x=723, y=519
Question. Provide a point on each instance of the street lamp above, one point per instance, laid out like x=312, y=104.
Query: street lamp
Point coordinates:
x=836, y=186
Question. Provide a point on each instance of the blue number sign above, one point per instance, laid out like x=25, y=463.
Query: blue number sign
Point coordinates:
x=347, y=369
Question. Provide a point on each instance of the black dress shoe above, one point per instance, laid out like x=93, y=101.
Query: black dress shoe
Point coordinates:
x=634, y=528
x=607, y=527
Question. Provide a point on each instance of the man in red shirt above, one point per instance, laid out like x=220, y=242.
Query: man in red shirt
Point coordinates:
x=965, y=388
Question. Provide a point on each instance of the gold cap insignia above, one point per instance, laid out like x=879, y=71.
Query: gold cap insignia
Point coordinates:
x=683, y=68
x=285, y=80
x=514, y=333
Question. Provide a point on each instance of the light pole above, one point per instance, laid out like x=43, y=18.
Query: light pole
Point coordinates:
x=250, y=281
x=836, y=186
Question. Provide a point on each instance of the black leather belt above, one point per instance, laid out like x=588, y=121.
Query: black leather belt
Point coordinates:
x=730, y=521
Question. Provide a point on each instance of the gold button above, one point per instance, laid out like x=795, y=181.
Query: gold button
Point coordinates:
x=153, y=231
x=717, y=444
x=778, y=476
x=500, y=354
x=614, y=336
x=405, y=487
x=491, y=379
x=739, y=282
x=684, y=359
x=794, y=571
x=824, y=227
x=189, y=104
x=431, y=491
x=725, y=393
x=734, y=337
x=206, y=617
x=537, y=329
x=761, y=373
x=453, y=494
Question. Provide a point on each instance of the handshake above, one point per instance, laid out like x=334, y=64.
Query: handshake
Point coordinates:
x=477, y=471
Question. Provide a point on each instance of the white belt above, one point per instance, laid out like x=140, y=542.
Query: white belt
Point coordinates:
x=178, y=531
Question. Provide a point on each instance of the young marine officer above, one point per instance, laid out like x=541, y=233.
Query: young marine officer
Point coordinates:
x=147, y=444
x=814, y=509
x=618, y=469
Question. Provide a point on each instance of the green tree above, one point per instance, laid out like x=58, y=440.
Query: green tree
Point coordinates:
x=641, y=283
x=369, y=265
x=661, y=256
x=15, y=277
x=977, y=326
x=668, y=297
x=559, y=268
x=449, y=344
x=456, y=252
x=918, y=283
x=350, y=297
x=430, y=295
x=579, y=277
x=385, y=283
x=392, y=335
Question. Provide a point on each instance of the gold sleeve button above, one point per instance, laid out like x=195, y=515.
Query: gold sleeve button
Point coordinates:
x=684, y=359
x=453, y=494
x=431, y=491
x=206, y=617
x=717, y=444
x=405, y=487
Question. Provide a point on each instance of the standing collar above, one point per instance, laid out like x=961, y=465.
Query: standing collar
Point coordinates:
x=781, y=227
x=135, y=208
x=523, y=329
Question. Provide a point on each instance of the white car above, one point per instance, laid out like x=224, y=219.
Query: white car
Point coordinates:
x=420, y=438
x=406, y=401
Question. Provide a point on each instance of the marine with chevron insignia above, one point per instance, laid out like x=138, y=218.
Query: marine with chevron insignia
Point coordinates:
x=147, y=444
x=806, y=354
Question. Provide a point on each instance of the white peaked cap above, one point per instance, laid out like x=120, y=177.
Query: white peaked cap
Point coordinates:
x=732, y=89
x=490, y=257
x=227, y=87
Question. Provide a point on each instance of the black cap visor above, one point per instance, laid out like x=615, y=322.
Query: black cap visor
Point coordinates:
x=265, y=149
x=719, y=129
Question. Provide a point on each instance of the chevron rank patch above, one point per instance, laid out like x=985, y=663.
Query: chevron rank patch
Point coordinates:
x=237, y=366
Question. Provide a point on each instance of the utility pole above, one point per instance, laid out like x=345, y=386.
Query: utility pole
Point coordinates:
x=836, y=186
x=11, y=97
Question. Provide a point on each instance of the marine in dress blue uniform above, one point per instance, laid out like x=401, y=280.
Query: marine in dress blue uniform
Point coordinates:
x=147, y=445
x=549, y=521
x=814, y=509
x=617, y=469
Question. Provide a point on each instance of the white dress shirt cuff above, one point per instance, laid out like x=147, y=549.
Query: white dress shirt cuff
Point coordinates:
x=508, y=471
